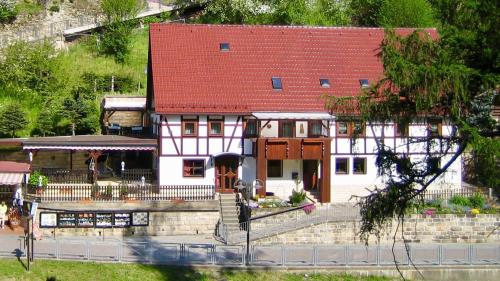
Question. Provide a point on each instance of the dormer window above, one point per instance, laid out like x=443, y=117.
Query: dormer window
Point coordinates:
x=277, y=83
x=325, y=83
x=364, y=83
x=224, y=47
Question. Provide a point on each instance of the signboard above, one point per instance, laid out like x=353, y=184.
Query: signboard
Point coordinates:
x=92, y=219
x=66, y=220
x=34, y=207
x=103, y=220
x=140, y=218
x=48, y=219
x=122, y=219
x=85, y=219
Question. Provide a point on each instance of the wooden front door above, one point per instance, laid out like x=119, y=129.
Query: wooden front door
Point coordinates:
x=310, y=174
x=226, y=173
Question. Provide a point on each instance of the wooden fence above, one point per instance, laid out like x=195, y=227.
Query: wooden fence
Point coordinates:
x=82, y=192
x=430, y=195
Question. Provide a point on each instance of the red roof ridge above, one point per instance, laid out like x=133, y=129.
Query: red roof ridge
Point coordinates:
x=289, y=26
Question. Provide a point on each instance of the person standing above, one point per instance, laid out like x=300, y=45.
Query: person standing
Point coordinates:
x=18, y=199
x=3, y=214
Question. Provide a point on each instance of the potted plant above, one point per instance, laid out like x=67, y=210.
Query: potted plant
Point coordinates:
x=38, y=182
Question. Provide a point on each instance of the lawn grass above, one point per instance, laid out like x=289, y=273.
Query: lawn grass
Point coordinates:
x=12, y=269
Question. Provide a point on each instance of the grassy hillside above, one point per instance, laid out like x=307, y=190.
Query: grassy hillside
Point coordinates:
x=67, y=68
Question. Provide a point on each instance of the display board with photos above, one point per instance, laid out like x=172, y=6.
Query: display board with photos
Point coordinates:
x=48, y=219
x=103, y=220
x=94, y=219
x=122, y=220
x=85, y=219
x=140, y=218
x=66, y=220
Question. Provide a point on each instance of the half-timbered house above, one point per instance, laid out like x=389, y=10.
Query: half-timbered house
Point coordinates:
x=232, y=102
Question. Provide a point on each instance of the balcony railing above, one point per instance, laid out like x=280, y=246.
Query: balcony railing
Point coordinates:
x=83, y=192
x=65, y=176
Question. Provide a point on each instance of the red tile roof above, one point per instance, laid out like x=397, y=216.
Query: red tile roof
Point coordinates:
x=14, y=167
x=191, y=75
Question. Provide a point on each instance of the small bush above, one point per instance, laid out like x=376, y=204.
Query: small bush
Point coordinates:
x=459, y=200
x=8, y=12
x=297, y=197
x=54, y=8
x=477, y=200
x=33, y=181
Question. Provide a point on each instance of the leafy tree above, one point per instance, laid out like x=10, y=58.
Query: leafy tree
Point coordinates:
x=403, y=13
x=298, y=12
x=443, y=78
x=119, y=10
x=115, y=40
x=365, y=12
x=28, y=70
x=12, y=119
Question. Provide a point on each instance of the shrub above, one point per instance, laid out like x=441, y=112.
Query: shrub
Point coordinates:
x=297, y=197
x=7, y=11
x=459, y=200
x=477, y=200
x=54, y=8
x=33, y=181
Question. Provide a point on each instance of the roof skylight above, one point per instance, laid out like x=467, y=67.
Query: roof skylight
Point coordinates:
x=277, y=85
x=224, y=46
x=325, y=83
x=364, y=83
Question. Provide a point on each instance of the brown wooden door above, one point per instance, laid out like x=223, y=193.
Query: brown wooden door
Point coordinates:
x=226, y=173
x=310, y=174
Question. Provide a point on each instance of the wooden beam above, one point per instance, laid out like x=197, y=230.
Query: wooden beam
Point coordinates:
x=261, y=165
x=324, y=191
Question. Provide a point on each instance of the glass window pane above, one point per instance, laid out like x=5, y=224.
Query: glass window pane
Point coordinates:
x=359, y=166
x=215, y=128
x=274, y=168
x=342, y=128
x=341, y=166
x=287, y=130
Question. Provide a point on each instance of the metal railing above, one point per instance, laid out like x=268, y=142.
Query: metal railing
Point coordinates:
x=57, y=175
x=296, y=218
x=156, y=252
x=80, y=192
x=66, y=176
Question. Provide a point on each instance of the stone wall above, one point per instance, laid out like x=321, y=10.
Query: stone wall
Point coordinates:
x=165, y=218
x=417, y=228
x=160, y=223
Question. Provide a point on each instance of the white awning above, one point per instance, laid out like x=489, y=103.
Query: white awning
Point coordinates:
x=292, y=115
x=128, y=103
x=86, y=147
x=11, y=178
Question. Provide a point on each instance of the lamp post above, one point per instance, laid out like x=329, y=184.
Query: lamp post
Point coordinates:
x=248, y=188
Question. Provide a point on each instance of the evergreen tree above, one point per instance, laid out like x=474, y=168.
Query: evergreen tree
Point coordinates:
x=12, y=119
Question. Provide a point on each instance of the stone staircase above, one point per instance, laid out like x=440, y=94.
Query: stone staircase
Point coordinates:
x=229, y=212
x=291, y=221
